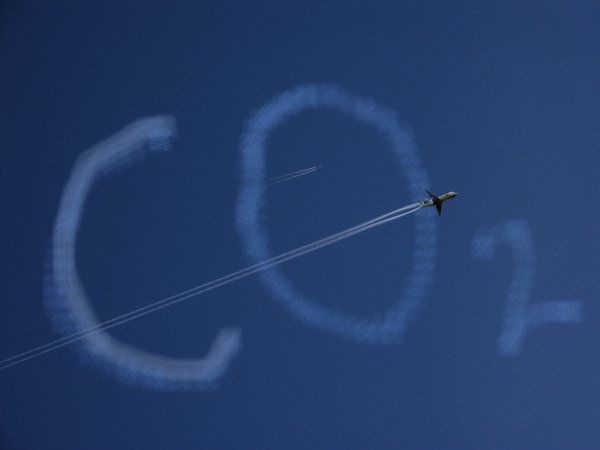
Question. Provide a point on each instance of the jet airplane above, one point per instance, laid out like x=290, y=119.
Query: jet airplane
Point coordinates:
x=436, y=201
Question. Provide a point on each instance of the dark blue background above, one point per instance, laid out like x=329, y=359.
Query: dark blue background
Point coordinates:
x=503, y=98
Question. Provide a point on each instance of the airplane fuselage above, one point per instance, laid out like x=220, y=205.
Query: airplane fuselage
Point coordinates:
x=448, y=196
x=436, y=201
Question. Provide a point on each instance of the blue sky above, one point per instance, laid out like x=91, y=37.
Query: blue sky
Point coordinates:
x=502, y=99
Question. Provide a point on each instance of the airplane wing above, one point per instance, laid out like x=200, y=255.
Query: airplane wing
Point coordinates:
x=430, y=194
x=438, y=206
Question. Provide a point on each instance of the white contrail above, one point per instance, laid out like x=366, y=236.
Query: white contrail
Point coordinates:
x=291, y=175
x=72, y=311
x=169, y=301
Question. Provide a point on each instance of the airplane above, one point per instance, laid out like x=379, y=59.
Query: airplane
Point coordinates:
x=437, y=201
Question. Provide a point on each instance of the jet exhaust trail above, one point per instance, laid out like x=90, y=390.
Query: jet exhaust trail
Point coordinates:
x=198, y=290
x=72, y=311
x=290, y=176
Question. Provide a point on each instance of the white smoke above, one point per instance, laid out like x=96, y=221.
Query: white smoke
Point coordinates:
x=519, y=315
x=65, y=295
x=384, y=328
